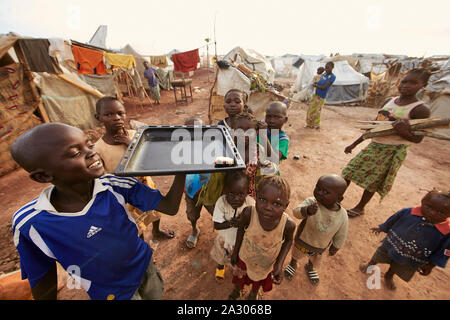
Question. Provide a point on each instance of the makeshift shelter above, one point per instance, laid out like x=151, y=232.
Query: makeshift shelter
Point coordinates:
x=140, y=84
x=253, y=60
x=38, y=84
x=383, y=85
x=164, y=71
x=68, y=99
x=437, y=95
x=17, y=106
x=350, y=86
x=303, y=57
x=283, y=65
x=352, y=61
x=238, y=77
x=19, y=101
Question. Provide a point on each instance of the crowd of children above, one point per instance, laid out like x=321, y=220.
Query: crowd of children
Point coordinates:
x=83, y=219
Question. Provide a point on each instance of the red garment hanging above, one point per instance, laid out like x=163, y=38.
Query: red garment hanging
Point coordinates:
x=186, y=61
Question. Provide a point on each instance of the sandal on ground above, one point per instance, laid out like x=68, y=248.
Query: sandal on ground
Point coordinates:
x=164, y=234
x=234, y=295
x=191, y=241
x=351, y=213
x=313, y=276
x=220, y=274
x=289, y=272
x=255, y=297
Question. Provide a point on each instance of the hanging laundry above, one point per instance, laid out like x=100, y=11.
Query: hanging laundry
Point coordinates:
x=61, y=47
x=159, y=61
x=186, y=61
x=35, y=53
x=120, y=60
x=88, y=61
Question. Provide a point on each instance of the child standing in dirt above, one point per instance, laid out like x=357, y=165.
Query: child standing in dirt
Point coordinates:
x=376, y=166
x=244, y=133
x=277, y=139
x=193, y=185
x=81, y=220
x=418, y=239
x=324, y=221
x=226, y=218
x=263, y=239
x=111, y=147
x=153, y=82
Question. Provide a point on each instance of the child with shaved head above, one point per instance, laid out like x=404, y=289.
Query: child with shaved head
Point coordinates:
x=324, y=222
x=417, y=239
x=82, y=221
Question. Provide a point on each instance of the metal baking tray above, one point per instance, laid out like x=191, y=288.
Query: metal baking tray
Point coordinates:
x=168, y=150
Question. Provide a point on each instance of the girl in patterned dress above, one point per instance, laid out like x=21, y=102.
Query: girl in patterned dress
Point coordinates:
x=376, y=166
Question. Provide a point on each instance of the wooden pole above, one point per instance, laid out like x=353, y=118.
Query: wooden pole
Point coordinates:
x=95, y=93
x=414, y=127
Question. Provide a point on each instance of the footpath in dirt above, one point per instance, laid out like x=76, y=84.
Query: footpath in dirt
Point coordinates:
x=189, y=273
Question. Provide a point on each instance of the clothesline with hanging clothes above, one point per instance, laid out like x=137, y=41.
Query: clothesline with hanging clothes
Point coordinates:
x=186, y=61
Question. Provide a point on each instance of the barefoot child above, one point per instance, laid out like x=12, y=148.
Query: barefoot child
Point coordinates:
x=263, y=239
x=81, y=220
x=111, y=147
x=153, y=82
x=418, y=239
x=226, y=218
x=376, y=166
x=324, y=222
x=321, y=88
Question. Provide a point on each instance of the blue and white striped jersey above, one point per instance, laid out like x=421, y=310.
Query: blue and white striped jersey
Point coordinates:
x=100, y=242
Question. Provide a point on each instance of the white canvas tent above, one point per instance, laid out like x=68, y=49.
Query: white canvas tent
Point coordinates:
x=252, y=60
x=233, y=78
x=283, y=66
x=99, y=37
x=350, y=86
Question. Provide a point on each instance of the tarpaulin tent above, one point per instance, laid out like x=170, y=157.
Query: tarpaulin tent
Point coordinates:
x=128, y=49
x=68, y=99
x=252, y=60
x=233, y=78
x=283, y=65
x=350, y=86
x=17, y=107
x=437, y=95
x=23, y=106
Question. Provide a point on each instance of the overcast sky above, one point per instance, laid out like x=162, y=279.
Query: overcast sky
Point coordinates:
x=414, y=27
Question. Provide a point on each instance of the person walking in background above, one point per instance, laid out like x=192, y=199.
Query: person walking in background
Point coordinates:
x=318, y=98
x=153, y=83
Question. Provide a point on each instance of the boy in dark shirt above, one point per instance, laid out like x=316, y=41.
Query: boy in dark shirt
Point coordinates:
x=418, y=239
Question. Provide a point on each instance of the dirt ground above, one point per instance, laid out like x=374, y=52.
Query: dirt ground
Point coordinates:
x=189, y=274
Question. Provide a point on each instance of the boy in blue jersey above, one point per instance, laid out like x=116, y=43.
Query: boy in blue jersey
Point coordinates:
x=81, y=220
